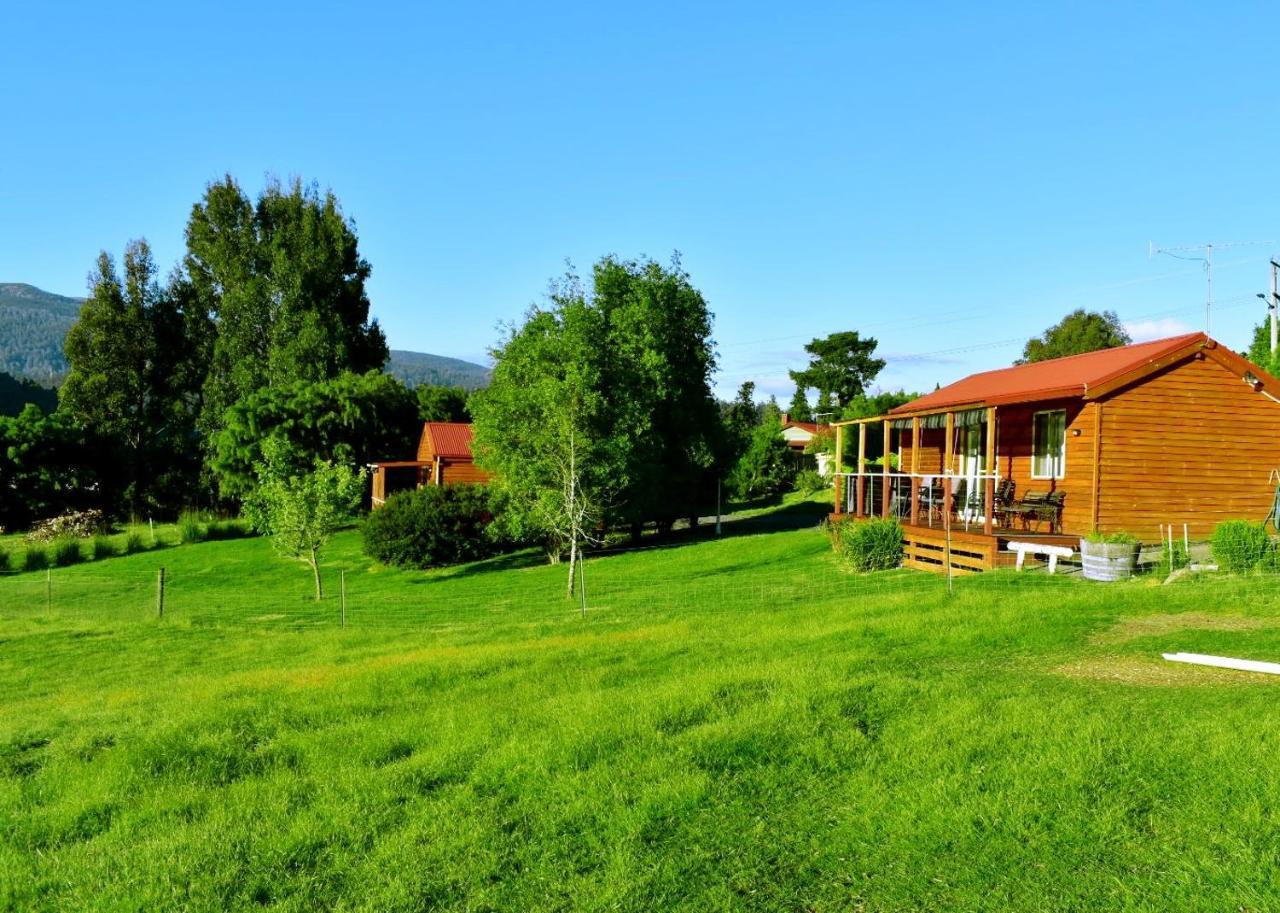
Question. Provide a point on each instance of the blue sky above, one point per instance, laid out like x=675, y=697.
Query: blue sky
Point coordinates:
x=948, y=178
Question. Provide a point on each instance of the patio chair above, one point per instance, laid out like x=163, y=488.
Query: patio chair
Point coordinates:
x=1025, y=509
x=1005, y=501
x=1051, y=511
x=931, y=497
x=959, y=496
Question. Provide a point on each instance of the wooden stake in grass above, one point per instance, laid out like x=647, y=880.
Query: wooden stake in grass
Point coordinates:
x=160, y=593
x=48, y=588
x=342, y=591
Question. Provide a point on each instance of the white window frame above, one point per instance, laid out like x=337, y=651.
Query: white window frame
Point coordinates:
x=1062, y=457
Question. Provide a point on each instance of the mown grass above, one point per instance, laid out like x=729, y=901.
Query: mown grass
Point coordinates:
x=735, y=724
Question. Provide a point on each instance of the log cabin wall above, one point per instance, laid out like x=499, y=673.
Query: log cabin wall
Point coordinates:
x=1191, y=444
x=1013, y=455
x=454, y=472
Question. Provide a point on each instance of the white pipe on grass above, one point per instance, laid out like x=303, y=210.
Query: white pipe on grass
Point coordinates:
x=1224, y=662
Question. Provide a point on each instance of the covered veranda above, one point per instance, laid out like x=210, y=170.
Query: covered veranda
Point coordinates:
x=938, y=473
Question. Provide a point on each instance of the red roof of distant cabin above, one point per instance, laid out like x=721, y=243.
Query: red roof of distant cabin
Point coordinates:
x=451, y=440
x=811, y=427
x=1053, y=379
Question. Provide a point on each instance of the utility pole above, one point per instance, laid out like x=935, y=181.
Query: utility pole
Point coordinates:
x=1272, y=306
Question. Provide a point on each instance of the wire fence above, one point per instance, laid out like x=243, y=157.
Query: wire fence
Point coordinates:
x=523, y=591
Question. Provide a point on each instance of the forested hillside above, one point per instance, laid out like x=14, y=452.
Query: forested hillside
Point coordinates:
x=16, y=393
x=33, y=324
x=415, y=368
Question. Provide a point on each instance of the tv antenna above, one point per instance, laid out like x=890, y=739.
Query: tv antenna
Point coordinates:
x=1203, y=253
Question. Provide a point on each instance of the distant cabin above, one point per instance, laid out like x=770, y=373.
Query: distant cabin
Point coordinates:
x=799, y=435
x=444, y=458
x=1134, y=439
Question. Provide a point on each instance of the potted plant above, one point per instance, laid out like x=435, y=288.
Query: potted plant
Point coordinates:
x=1113, y=556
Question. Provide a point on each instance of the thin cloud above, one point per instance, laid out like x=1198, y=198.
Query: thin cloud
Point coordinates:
x=1146, y=330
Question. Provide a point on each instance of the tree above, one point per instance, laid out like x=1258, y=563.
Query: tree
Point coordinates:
x=352, y=419
x=1079, y=332
x=442, y=404
x=657, y=326
x=300, y=511
x=1260, y=348
x=767, y=467
x=138, y=353
x=545, y=427
x=285, y=282
x=740, y=418
x=799, y=410
x=49, y=464
x=842, y=366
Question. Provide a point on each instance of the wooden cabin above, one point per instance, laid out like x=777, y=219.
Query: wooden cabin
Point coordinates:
x=1132, y=439
x=799, y=435
x=444, y=457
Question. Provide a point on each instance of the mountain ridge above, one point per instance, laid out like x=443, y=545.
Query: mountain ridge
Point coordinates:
x=34, y=323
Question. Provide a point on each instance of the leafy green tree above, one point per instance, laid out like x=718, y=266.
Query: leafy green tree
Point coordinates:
x=50, y=464
x=841, y=366
x=302, y=510
x=1079, y=332
x=138, y=354
x=767, y=467
x=1260, y=349
x=351, y=419
x=546, y=428
x=866, y=405
x=442, y=404
x=657, y=326
x=740, y=418
x=285, y=282
x=799, y=410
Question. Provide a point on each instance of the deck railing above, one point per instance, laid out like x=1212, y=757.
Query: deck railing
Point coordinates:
x=931, y=508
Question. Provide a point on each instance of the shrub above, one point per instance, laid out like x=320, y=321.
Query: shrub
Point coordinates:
x=35, y=558
x=1240, y=545
x=66, y=551
x=103, y=547
x=80, y=524
x=809, y=481
x=133, y=542
x=190, y=528
x=1172, y=560
x=869, y=545
x=1119, y=538
x=432, y=527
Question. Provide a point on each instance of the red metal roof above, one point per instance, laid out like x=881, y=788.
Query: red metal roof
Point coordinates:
x=451, y=440
x=811, y=427
x=1053, y=379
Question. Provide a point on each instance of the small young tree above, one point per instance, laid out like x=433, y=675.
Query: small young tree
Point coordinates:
x=300, y=511
x=546, y=430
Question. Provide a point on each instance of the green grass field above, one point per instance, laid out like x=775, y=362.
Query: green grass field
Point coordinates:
x=735, y=724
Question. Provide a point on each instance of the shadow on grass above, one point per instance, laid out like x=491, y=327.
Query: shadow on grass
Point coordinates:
x=783, y=518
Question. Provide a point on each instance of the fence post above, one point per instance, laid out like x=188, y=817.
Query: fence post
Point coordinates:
x=342, y=592
x=160, y=593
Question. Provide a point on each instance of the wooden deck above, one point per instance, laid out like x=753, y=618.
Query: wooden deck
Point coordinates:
x=972, y=551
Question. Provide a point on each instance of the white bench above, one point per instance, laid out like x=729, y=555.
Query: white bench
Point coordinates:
x=1054, y=552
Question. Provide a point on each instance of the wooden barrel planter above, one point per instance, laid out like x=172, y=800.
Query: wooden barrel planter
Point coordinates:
x=1109, y=560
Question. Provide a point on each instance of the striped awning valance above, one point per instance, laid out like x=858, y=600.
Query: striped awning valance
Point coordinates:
x=939, y=419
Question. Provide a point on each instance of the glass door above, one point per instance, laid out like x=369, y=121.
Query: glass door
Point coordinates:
x=971, y=472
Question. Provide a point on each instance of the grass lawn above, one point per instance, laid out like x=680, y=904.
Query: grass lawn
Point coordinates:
x=735, y=724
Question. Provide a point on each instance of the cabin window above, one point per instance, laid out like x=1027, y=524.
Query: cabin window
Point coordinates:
x=1049, y=445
